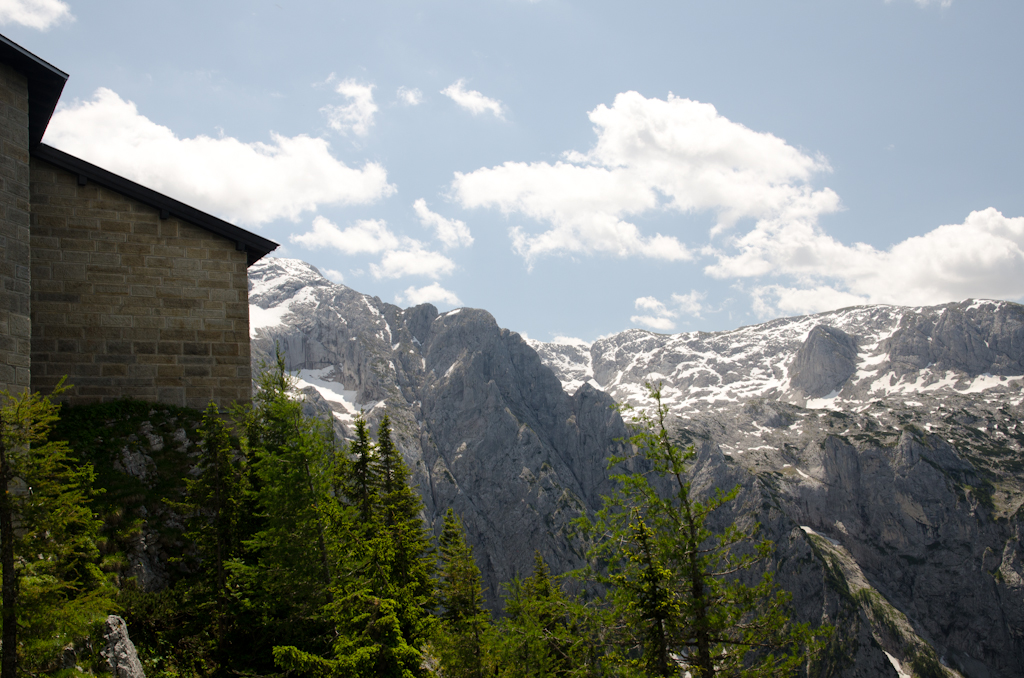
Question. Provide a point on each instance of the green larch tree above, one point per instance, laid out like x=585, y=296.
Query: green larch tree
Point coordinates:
x=676, y=587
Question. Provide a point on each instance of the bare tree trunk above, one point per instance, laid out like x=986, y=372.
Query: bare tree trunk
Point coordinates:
x=9, y=656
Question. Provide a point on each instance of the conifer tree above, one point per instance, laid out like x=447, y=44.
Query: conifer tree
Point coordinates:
x=53, y=588
x=214, y=506
x=461, y=638
x=215, y=500
x=381, y=610
x=401, y=519
x=536, y=638
x=362, y=486
x=675, y=585
x=286, y=576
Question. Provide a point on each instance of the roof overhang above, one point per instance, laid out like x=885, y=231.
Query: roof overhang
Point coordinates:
x=255, y=246
x=45, y=83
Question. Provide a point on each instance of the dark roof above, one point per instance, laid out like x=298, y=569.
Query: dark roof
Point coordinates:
x=253, y=245
x=45, y=83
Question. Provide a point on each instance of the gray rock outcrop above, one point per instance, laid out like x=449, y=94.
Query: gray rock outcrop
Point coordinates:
x=120, y=651
x=827, y=359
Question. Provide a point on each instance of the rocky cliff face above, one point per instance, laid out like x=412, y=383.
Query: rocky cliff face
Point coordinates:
x=880, y=447
x=485, y=427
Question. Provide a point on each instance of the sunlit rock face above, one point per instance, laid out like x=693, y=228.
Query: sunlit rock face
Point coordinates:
x=881, y=448
x=484, y=426
x=825, y=362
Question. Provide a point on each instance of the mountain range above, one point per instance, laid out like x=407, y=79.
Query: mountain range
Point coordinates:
x=881, y=448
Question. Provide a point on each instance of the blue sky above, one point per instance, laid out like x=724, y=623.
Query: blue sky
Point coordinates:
x=574, y=167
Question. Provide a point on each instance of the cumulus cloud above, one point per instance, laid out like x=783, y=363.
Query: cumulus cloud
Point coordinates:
x=982, y=257
x=400, y=256
x=410, y=96
x=431, y=294
x=654, y=156
x=651, y=155
x=689, y=304
x=39, y=14
x=249, y=183
x=661, y=315
x=357, y=115
x=412, y=259
x=658, y=323
x=333, y=276
x=367, y=236
x=653, y=305
x=473, y=101
x=451, y=232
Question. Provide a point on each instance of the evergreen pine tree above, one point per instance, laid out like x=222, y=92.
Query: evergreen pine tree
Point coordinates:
x=284, y=580
x=538, y=637
x=215, y=501
x=675, y=585
x=362, y=486
x=214, y=507
x=53, y=588
x=381, y=609
x=461, y=638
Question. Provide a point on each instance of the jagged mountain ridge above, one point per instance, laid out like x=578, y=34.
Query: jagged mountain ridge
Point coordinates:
x=839, y=359
x=484, y=426
x=879, y=447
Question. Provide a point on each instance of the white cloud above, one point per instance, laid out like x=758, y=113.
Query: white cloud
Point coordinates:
x=663, y=314
x=401, y=256
x=654, y=322
x=451, y=232
x=249, y=183
x=773, y=300
x=689, y=304
x=412, y=260
x=982, y=257
x=431, y=294
x=40, y=14
x=570, y=341
x=367, y=236
x=410, y=96
x=651, y=155
x=473, y=101
x=334, y=276
x=357, y=115
x=653, y=305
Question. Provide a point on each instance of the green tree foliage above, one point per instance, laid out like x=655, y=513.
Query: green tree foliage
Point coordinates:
x=544, y=633
x=460, y=639
x=383, y=595
x=282, y=582
x=215, y=502
x=215, y=508
x=676, y=587
x=53, y=587
x=361, y=486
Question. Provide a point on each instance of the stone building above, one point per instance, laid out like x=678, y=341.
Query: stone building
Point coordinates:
x=127, y=292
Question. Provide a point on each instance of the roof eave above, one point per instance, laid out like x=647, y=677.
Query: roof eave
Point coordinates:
x=255, y=246
x=45, y=84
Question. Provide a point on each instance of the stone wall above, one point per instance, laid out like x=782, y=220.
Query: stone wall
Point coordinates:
x=127, y=304
x=15, y=326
